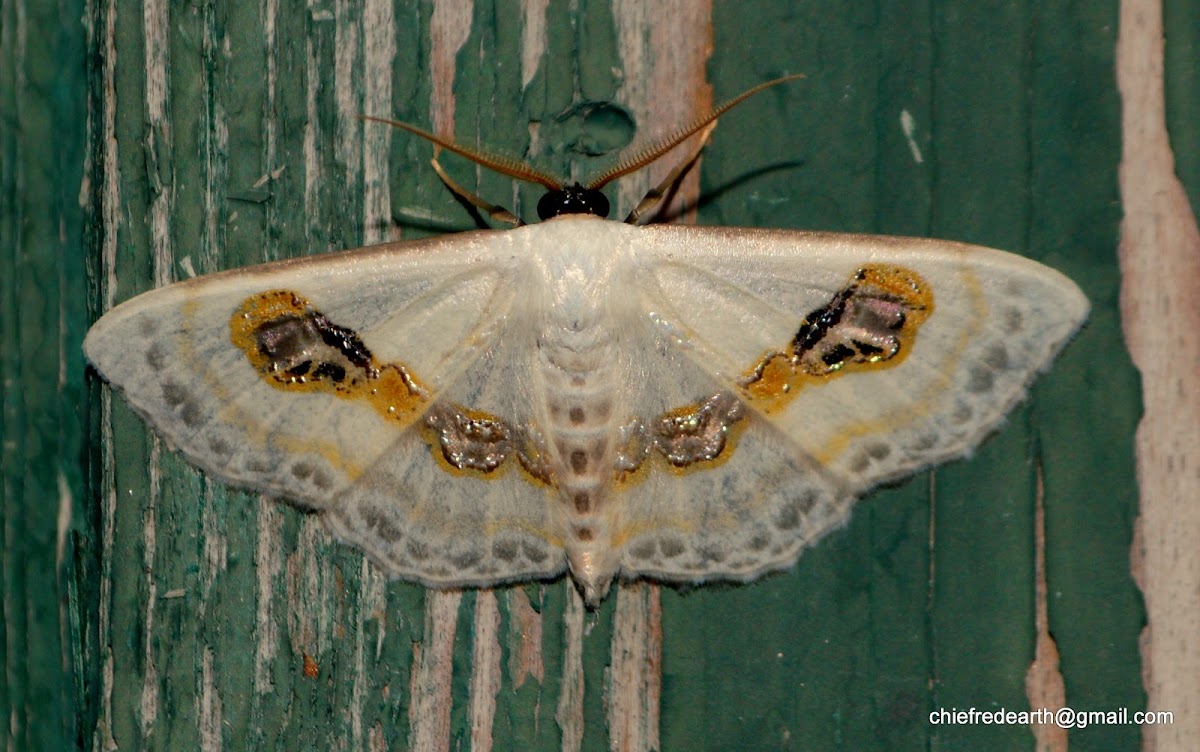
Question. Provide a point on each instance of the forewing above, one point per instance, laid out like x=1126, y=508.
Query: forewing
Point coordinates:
x=312, y=380
x=853, y=360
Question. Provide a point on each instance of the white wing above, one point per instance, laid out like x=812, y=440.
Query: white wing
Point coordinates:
x=759, y=382
x=973, y=326
x=422, y=313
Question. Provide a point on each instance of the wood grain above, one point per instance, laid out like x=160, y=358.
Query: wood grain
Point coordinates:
x=1160, y=306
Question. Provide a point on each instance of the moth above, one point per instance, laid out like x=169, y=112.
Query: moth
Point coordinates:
x=678, y=403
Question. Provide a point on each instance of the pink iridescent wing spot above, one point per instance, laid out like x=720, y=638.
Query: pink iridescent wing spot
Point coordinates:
x=869, y=324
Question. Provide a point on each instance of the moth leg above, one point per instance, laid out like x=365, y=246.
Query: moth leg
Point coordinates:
x=496, y=212
x=671, y=181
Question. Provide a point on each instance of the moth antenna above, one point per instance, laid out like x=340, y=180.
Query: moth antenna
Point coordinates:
x=502, y=165
x=495, y=211
x=669, y=183
x=637, y=161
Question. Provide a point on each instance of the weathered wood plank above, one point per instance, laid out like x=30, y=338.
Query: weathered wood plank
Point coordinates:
x=43, y=192
x=229, y=622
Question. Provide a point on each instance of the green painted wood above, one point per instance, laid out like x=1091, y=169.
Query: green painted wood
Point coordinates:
x=925, y=600
x=43, y=116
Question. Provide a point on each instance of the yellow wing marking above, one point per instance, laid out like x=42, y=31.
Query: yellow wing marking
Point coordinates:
x=870, y=324
x=295, y=348
x=931, y=394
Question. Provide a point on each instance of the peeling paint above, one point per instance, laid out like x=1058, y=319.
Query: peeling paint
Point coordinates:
x=1043, y=681
x=448, y=32
x=148, y=706
x=268, y=564
x=66, y=504
x=379, y=52
x=525, y=640
x=1160, y=263
x=635, y=669
x=110, y=213
x=570, y=699
x=485, y=670
x=431, y=685
x=346, y=44
x=533, y=38
x=909, y=127
x=665, y=85
x=208, y=707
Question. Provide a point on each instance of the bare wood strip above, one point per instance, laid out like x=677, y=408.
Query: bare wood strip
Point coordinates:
x=156, y=65
x=379, y=52
x=569, y=713
x=347, y=36
x=448, y=31
x=148, y=704
x=307, y=597
x=102, y=738
x=432, y=679
x=635, y=674
x=533, y=37
x=524, y=641
x=485, y=670
x=1160, y=284
x=270, y=148
x=665, y=83
x=209, y=715
x=372, y=601
x=268, y=565
x=268, y=523
x=313, y=177
x=1043, y=681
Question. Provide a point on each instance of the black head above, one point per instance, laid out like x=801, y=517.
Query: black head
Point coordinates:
x=573, y=199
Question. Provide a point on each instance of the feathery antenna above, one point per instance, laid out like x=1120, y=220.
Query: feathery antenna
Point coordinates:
x=651, y=153
x=502, y=165
x=576, y=199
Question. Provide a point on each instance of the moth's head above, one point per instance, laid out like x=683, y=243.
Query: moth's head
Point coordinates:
x=573, y=198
